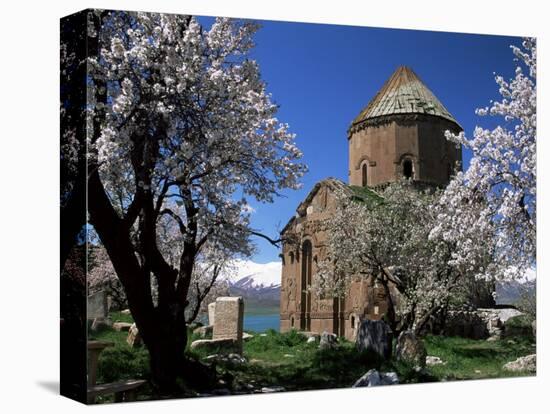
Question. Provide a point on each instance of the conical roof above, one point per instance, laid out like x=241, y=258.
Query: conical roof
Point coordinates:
x=403, y=93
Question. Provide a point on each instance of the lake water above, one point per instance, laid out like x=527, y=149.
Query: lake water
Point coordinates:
x=261, y=323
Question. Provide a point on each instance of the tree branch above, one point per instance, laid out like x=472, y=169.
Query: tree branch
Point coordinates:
x=177, y=218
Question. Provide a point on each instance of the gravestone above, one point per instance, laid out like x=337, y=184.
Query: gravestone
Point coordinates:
x=97, y=305
x=328, y=341
x=228, y=322
x=211, y=313
x=134, y=337
x=375, y=336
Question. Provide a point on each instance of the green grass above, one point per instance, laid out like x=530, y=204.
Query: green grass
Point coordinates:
x=289, y=361
x=120, y=317
x=476, y=359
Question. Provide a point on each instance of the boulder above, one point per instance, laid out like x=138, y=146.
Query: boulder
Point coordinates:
x=374, y=378
x=328, y=341
x=410, y=349
x=204, y=331
x=122, y=326
x=223, y=346
x=134, y=337
x=374, y=336
x=527, y=363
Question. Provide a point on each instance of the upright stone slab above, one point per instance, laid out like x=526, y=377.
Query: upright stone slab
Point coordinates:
x=211, y=313
x=375, y=336
x=97, y=305
x=228, y=320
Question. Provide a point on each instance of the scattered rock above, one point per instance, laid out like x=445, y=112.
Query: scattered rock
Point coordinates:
x=375, y=336
x=204, y=331
x=224, y=345
x=309, y=334
x=477, y=371
x=134, y=337
x=288, y=356
x=126, y=312
x=328, y=341
x=411, y=349
x=236, y=359
x=311, y=340
x=433, y=360
x=211, y=358
x=247, y=336
x=122, y=326
x=274, y=388
x=527, y=363
x=374, y=378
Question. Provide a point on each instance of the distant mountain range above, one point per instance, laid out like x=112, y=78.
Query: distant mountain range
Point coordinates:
x=260, y=286
x=510, y=292
x=257, y=295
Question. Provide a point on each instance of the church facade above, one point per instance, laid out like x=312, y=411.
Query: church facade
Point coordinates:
x=400, y=133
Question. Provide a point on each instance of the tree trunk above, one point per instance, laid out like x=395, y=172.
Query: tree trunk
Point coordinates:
x=167, y=356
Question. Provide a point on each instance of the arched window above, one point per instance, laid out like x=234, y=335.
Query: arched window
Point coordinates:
x=292, y=321
x=408, y=169
x=352, y=322
x=291, y=258
x=364, y=175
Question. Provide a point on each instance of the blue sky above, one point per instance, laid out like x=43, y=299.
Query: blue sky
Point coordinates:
x=323, y=75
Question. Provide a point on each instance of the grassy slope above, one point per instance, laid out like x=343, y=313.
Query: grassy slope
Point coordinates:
x=287, y=360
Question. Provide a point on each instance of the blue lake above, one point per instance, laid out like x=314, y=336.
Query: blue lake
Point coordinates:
x=261, y=323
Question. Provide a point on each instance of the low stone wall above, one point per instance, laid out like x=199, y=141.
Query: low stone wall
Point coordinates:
x=481, y=323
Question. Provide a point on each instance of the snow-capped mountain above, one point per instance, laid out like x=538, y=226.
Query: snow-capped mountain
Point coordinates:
x=258, y=283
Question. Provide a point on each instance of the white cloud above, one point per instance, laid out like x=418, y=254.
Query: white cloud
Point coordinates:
x=266, y=274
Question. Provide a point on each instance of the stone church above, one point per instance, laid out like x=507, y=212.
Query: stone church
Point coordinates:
x=400, y=133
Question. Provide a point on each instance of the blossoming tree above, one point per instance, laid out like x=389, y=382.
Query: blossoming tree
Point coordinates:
x=502, y=173
x=181, y=129
x=387, y=238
